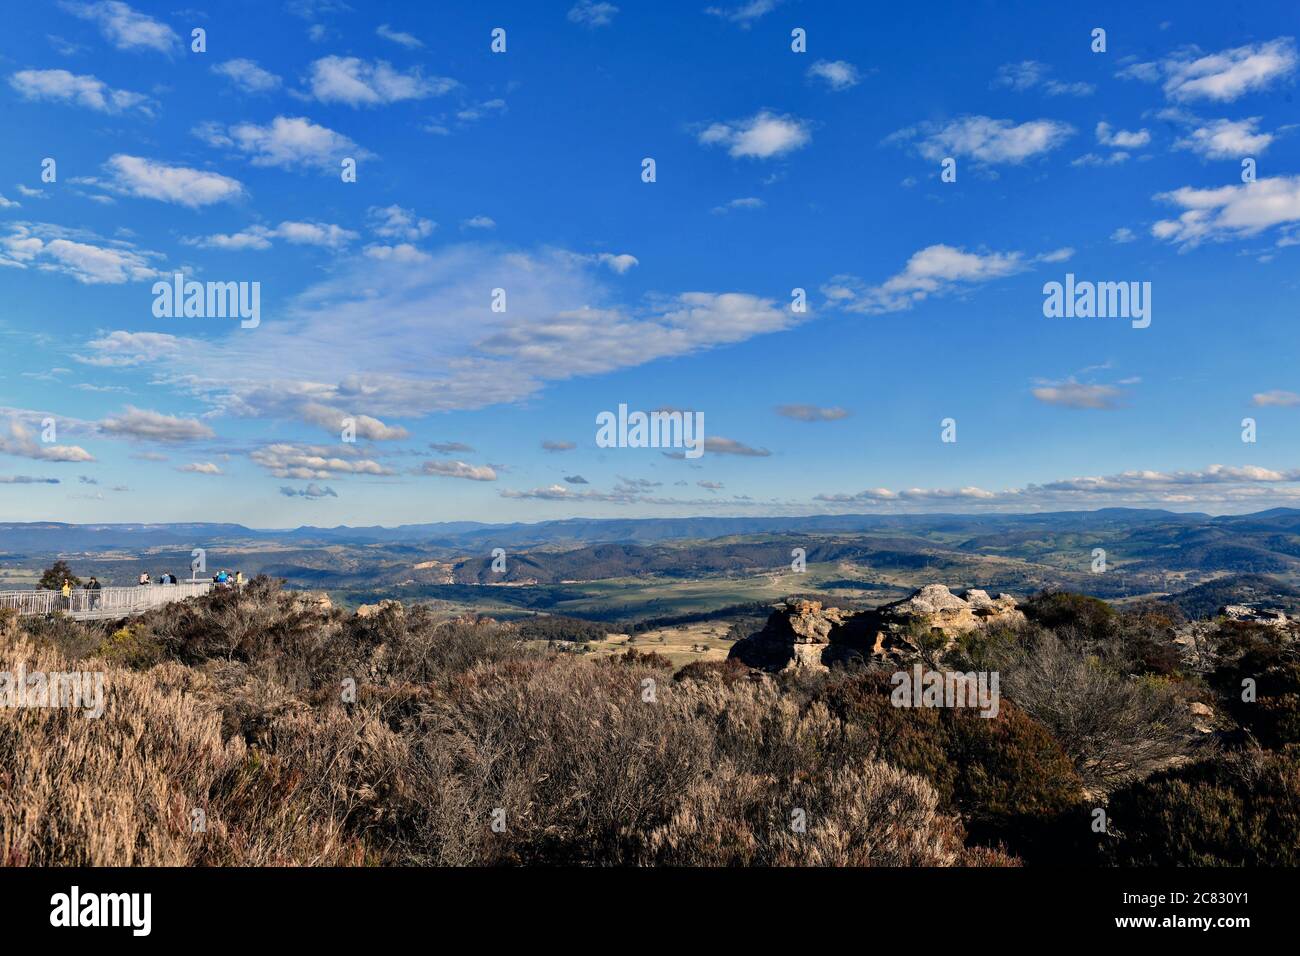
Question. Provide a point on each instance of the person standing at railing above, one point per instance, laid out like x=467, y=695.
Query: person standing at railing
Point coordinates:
x=93, y=587
x=66, y=591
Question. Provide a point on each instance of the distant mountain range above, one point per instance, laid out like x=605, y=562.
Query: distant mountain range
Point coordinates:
x=45, y=535
x=1146, y=550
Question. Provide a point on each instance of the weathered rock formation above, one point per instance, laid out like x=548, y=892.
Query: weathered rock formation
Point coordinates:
x=804, y=634
x=1246, y=614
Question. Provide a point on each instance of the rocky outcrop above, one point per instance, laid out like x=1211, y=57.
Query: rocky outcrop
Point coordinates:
x=371, y=610
x=803, y=634
x=1244, y=613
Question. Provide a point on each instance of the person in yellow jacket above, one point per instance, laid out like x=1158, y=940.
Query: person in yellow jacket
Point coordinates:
x=66, y=591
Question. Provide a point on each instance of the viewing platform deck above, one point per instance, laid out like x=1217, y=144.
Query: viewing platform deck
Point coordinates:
x=84, y=605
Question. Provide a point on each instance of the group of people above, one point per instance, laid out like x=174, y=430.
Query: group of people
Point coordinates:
x=167, y=578
x=221, y=579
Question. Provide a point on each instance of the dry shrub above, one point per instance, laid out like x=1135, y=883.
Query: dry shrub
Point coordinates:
x=591, y=762
x=1240, y=811
x=120, y=790
x=1116, y=728
x=869, y=815
x=569, y=749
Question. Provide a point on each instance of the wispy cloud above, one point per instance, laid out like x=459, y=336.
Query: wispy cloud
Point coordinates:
x=399, y=37
x=290, y=142
x=988, y=140
x=152, y=179
x=60, y=86
x=248, y=76
x=144, y=425
x=1222, y=77
x=812, y=413
x=125, y=27
x=356, y=82
x=935, y=270
x=838, y=75
x=1031, y=74
x=592, y=13
x=1277, y=398
x=1229, y=212
x=450, y=468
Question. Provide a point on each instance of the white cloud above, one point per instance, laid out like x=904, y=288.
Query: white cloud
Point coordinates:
x=49, y=249
x=472, y=114
x=144, y=425
x=448, y=468
x=592, y=13
x=1123, y=234
x=934, y=270
x=743, y=14
x=1093, y=159
x=1276, y=398
x=398, y=337
x=1072, y=394
x=747, y=202
x=402, y=252
x=394, y=222
x=314, y=462
x=123, y=349
x=399, y=37
x=254, y=237
x=150, y=179
x=762, y=136
x=125, y=28
x=1229, y=74
x=364, y=426
x=618, y=263
x=837, y=74
x=1056, y=88
x=323, y=234
x=1222, y=77
x=1226, y=139
x=1122, y=139
x=22, y=443
x=478, y=222
x=985, y=139
x=1021, y=76
x=201, y=468
x=291, y=142
x=1230, y=212
x=82, y=90
x=1216, y=483
x=248, y=76
x=347, y=79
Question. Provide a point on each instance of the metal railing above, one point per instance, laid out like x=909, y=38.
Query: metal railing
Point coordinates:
x=106, y=602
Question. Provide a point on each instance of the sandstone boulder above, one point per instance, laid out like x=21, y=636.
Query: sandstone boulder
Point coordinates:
x=803, y=634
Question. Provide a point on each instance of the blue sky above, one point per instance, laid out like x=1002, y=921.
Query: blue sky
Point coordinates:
x=522, y=170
